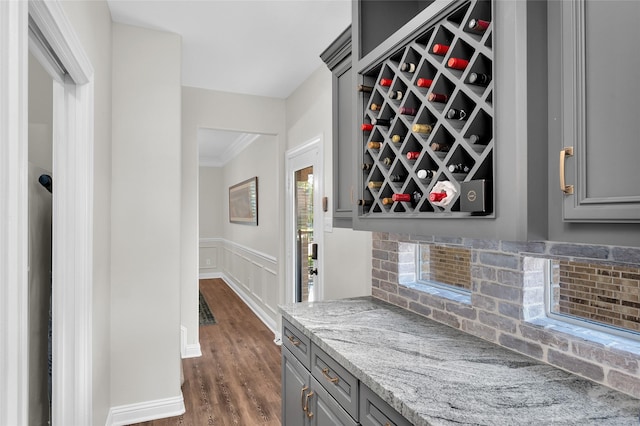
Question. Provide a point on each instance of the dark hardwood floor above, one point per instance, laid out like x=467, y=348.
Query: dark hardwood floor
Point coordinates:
x=237, y=379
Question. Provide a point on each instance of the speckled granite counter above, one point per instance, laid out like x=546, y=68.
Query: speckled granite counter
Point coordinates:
x=435, y=375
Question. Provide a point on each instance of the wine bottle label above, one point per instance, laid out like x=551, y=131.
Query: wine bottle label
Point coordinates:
x=375, y=184
x=413, y=155
x=424, y=174
x=479, y=79
x=424, y=82
x=367, y=127
x=478, y=25
x=440, y=49
x=374, y=145
x=456, y=114
x=457, y=63
x=396, y=138
x=396, y=94
x=401, y=197
x=375, y=107
x=385, y=82
x=387, y=200
x=422, y=128
x=437, y=97
x=408, y=67
x=408, y=111
x=439, y=147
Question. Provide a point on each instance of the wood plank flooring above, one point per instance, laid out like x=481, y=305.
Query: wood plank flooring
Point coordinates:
x=237, y=379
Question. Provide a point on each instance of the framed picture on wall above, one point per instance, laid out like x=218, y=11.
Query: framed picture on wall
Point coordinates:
x=243, y=202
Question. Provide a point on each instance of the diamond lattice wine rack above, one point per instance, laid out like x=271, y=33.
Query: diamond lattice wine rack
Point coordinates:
x=428, y=117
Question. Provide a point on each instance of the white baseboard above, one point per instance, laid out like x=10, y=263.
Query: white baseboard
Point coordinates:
x=262, y=315
x=209, y=275
x=145, y=411
x=187, y=350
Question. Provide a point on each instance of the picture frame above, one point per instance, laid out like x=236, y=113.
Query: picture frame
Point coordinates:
x=243, y=202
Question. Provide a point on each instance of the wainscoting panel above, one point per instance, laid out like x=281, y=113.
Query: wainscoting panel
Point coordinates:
x=250, y=273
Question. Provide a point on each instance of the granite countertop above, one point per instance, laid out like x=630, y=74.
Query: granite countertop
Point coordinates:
x=436, y=375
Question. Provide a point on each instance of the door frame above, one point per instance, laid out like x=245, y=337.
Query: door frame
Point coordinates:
x=73, y=136
x=309, y=153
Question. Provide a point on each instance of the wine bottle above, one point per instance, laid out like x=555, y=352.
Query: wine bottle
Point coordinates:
x=396, y=138
x=366, y=166
x=456, y=114
x=459, y=168
x=437, y=97
x=366, y=127
x=387, y=161
x=364, y=203
x=395, y=94
x=424, y=82
x=457, y=63
x=477, y=139
x=385, y=82
x=408, y=67
x=479, y=79
x=413, y=155
x=364, y=89
x=375, y=184
x=397, y=178
x=439, y=147
x=375, y=107
x=478, y=25
x=387, y=200
x=412, y=198
x=422, y=128
x=440, y=49
x=437, y=196
x=381, y=122
x=408, y=111
x=425, y=174
x=374, y=145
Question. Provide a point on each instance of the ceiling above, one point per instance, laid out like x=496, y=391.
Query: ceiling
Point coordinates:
x=255, y=47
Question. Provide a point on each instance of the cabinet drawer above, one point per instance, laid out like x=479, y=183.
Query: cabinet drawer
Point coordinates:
x=374, y=411
x=297, y=343
x=341, y=384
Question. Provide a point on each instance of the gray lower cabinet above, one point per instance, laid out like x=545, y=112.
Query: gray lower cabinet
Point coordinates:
x=317, y=390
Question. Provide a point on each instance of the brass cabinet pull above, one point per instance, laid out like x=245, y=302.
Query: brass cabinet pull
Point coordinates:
x=306, y=404
x=565, y=152
x=302, y=398
x=293, y=341
x=325, y=373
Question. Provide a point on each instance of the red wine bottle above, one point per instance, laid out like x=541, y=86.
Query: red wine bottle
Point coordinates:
x=412, y=198
x=413, y=155
x=437, y=97
x=478, y=25
x=408, y=111
x=437, y=196
x=385, y=82
x=424, y=82
x=457, y=63
x=367, y=127
x=440, y=49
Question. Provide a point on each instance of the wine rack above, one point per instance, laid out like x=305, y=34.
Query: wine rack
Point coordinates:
x=430, y=108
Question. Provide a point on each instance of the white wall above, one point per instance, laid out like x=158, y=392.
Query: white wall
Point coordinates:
x=346, y=253
x=225, y=111
x=91, y=21
x=211, y=197
x=146, y=198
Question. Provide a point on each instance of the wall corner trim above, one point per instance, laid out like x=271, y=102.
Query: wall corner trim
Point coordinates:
x=187, y=350
x=145, y=411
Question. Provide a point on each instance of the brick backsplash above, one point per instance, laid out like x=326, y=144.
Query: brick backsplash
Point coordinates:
x=506, y=306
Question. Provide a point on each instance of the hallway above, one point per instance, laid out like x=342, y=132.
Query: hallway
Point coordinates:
x=236, y=381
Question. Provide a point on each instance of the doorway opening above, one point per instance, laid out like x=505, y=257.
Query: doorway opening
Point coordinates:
x=305, y=291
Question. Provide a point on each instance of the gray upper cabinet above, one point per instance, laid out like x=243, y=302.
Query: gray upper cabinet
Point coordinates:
x=338, y=58
x=600, y=111
x=593, y=121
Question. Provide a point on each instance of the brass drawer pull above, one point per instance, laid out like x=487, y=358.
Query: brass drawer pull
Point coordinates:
x=325, y=373
x=293, y=341
x=302, y=398
x=565, y=152
x=306, y=405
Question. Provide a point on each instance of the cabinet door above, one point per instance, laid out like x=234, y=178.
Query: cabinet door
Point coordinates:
x=342, y=144
x=295, y=387
x=600, y=103
x=375, y=412
x=324, y=410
